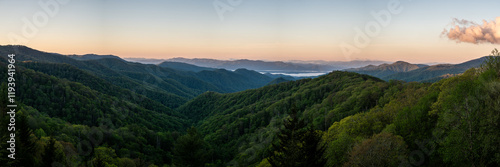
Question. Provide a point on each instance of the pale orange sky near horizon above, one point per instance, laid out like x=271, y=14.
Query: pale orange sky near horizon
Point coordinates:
x=257, y=30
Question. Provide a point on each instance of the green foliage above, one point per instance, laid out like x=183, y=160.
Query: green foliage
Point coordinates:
x=383, y=149
x=468, y=114
x=71, y=73
x=79, y=104
x=104, y=157
x=264, y=163
x=126, y=162
x=492, y=62
x=25, y=141
x=245, y=123
x=49, y=154
x=56, y=107
x=190, y=150
x=297, y=146
x=413, y=122
x=344, y=134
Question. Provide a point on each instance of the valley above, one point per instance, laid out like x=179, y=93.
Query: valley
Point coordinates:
x=95, y=109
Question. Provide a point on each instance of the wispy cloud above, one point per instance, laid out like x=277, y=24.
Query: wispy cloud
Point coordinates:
x=471, y=32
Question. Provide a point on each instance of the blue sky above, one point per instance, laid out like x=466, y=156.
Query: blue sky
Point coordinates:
x=254, y=29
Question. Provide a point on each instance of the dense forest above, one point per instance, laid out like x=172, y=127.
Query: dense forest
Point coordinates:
x=109, y=112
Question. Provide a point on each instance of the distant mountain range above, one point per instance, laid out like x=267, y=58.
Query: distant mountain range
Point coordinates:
x=385, y=69
x=341, y=64
x=417, y=72
x=257, y=65
x=171, y=83
x=238, y=74
x=264, y=66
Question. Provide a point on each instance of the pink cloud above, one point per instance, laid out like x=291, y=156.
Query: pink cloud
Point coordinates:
x=470, y=32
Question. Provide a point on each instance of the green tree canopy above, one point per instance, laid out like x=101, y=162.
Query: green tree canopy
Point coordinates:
x=297, y=145
x=383, y=149
x=190, y=150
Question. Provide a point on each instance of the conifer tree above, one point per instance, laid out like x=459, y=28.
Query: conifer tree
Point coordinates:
x=25, y=144
x=49, y=153
x=190, y=150
x=297, y=145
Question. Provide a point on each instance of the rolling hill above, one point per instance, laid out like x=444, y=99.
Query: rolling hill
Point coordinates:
x=92, y=57
x=184, y=66
x=384, y=70
x=436, y=72
x=417, y=72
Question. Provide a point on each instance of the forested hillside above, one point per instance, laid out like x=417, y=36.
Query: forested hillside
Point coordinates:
x=96, y=103
x=363, y=121
x=242, y=125
x=109, y=112
x=83, y=121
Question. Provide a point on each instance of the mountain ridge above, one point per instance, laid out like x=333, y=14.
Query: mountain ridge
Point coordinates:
x=257, y=65
x=170, y=86
x=405, y=71
x=385, y=69
x=436, y=72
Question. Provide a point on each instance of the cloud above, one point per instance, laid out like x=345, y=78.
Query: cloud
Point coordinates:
x=471, y=32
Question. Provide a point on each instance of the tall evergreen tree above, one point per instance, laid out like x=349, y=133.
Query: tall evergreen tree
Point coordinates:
x=190, y=150
x=25, y=141
x=492, y=62
x=297, y=146
x=313, y=148
x=49, y=153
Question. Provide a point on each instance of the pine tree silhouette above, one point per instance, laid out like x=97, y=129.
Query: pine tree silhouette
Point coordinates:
x=298, y=145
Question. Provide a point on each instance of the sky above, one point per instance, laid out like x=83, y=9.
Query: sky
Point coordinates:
x=417, y=31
